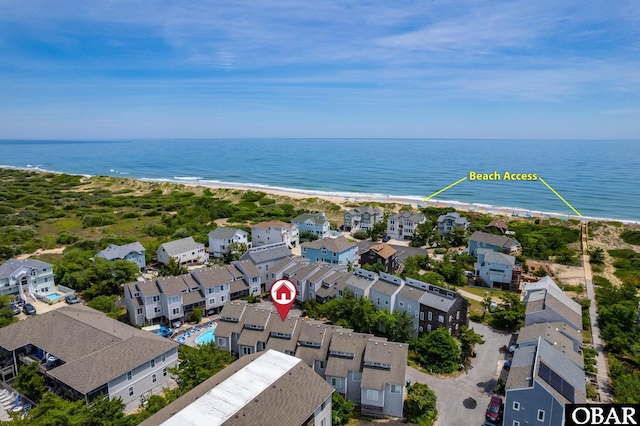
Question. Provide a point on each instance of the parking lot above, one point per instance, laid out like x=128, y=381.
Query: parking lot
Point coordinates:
x=463, y=399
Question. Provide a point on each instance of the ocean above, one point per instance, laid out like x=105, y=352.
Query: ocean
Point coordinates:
x=599, y=179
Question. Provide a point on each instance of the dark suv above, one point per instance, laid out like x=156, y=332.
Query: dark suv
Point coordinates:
x=29, y=309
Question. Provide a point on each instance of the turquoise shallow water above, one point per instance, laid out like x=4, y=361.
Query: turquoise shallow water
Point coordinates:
x=206, y=337
x=598, y=178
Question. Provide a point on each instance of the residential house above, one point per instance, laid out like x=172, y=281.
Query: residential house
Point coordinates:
x=230, y=326
x=184, y=251
x=28, y=275
x=300, y=278
x=275, y=231
x=84, y=354
x=542, y=380
x=450, y=222
x=383, y=378
x=334, y=251
x=215, y=285
x=362, y=218
x=283, y=335
x=332, y=286
x=384, y=291
x=253, y=337
x=250, y=278
x=313, y=344
x=495, y=269
x=316, y=223
x=266, y=257
x=133, y=252
x=344, y=363
x=499, y=243
x=401, y=226
x=564, y=338
x=547, y=303
x=381, y=253
x=248, y=391
x=222, y=237
x=440, y=307
x=360, y=283
x=498, y=225
x=408, y=300
x=180, y=295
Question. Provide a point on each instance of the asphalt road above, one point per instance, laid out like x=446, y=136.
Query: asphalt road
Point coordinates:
x=462, y=400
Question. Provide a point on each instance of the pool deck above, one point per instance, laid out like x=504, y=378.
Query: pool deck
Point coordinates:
x=191, y=329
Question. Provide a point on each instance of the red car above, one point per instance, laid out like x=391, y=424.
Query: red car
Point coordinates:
x=494, y=409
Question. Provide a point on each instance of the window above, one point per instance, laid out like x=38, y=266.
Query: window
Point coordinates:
x=304, y=249
x=212, y=301
x=458, y=315
x=335, y=254
x=222, y=342
x=139, y=311
x=428, y=327
x=430, y=316
x=372, y=395
x=223, y=298
x=322, y=423
x=153, y=363
x=386, y=302
x=130, y=390
x=164, y=372
x=421, y=316
x=310, y=285
x=541, y=415
x=401, y=304
x=408, y=308
x=336, y=382
x=324, y=251
x=323, y=364
x=156, y=298
x=157, y=310
x=378, y=301
x=421, y=329
x=247, y=350
x=516, y=423
x=357, y=376
x=154, y=378
x=440, y=318
x=516, y=405
x=176, y=311
x=396, y=389
x=163, y=358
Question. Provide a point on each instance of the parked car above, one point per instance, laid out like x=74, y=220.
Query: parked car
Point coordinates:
x=15, y=309
x=386, y=238
x=494, y=409
x=507, y=365
x=71, y=300
x=29, y=309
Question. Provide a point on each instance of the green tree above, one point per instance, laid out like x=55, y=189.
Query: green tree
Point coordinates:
x=30, y=382
x=197, y=365
x=468, y=340
x=53, y=410
x=172, y=268
x=196, y=315
x=106, y=304
x=398, y=326
x=438, y=351
x=307, y=236
x=341, y=409
x=376, y=267
x=510, y=313
x=421, y=404
x=105, y=411
x=233, y=252
x=596, y=256
x=364, y=317
x=486, y=303
x=6, y=314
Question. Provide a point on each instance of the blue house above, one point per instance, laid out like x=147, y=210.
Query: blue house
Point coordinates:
x=133, y=252
x=316, y=223
x=335, y=251
x=494, y=269
x=482, y=240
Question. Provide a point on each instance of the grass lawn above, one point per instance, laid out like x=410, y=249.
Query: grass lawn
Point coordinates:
x=481, y=291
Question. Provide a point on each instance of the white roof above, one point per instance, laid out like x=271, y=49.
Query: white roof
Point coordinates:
x=222, y=402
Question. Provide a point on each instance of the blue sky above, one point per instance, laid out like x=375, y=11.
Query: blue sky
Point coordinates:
x=321, y=68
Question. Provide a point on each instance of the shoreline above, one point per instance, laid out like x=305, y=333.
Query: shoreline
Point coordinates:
x=342, y=198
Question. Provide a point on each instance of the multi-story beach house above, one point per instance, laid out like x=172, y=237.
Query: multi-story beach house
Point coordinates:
x=401, y=226
x=28, y=275
x=265, y=258
x=184, y=251
x=450, y=222
x=334, y=251
x=384, y=291
x=133, y=252
x=496, y=269
x=564, y=338
x=84, y=354
x=251, y=387
x=542, y=380
x=546, y=302
x=169, y=299
x=222, y=237
x=440, y=307
x=360, y=283
x=482, y=240
x=316, y=223
x=381, y=253
x=275, y=231
x=362, y=218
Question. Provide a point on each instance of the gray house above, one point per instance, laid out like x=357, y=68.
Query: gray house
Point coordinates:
x=361, y=282
x=450, y=222
x=264, y=258
x=316, y=223
x=222, y=237
x=184, y=251
x=29, y=275
x=495, y=269
x=547, y=303
x=408, y=300
x=541, y=382
x=561, y=335
x=384, y=291
x=401, y=226
x=133, y=252
x=362, y=218
x=230, y=326
x=344, y=365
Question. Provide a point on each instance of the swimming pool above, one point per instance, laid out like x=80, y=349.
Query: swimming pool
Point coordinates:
x=206, y=337
x=53, y=295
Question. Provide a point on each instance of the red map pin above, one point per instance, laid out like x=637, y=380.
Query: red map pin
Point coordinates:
x=283, y=294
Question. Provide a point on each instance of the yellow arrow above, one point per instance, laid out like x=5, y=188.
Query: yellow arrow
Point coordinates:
x=559, y=196
x=443, y=189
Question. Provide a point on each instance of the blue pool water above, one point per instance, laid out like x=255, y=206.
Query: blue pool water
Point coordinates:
x=53, y=295
x=206, y=337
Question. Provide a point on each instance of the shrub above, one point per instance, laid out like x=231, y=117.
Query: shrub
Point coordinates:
x=360, y=235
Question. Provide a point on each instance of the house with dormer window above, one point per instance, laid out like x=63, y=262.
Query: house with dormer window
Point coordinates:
x=334, y=251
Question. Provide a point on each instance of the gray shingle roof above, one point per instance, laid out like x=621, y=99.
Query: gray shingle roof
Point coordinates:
x=225, y=233
x=316, y=218
x=233, y=309
x=411, y=293
x=95, y=348
x=247, y=267
x=12, y=265
x=494, y=240
x=359, y=282
x=437, y=301
x=173, y=248
x=120, y=252
x=337, y=245
x=174, y=286
x=387, y=353
x=556, y=334
x=411, y=216
x=563, y=367
x=211, y=277
x=349, y=342
x=385, y=287
x=365, y=209
x=262, y=254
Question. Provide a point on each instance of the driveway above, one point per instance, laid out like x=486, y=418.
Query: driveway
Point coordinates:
x=463, y=400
